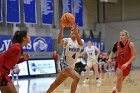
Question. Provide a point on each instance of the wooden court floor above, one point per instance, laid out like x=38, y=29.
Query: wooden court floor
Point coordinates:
x=40, y=85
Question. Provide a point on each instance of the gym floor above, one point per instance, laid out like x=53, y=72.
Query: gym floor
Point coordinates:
x=40, y=85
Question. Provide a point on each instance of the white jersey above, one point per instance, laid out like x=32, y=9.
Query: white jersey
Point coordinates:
x=72, y=51
x=91, y=52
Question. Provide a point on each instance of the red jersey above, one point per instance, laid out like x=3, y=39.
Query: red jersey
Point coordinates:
x=9, y=58
x=123, y=56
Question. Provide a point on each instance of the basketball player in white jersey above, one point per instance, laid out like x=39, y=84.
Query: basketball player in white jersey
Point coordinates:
x=72, y=48
x=90, y=50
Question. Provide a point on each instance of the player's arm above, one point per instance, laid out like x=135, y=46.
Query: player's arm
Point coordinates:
x=25, y=57
x=111, y=56
x=114, y=50
x=80, y=42
x=83, y=53
x=133, y=53
x=13, y=51
x=60, y=38
x=98, y=52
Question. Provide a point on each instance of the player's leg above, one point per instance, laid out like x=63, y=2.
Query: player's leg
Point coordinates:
x=112, y=66
x=119, y=81
x=75, y=76
x=109, y=66
x=59, y=79
x=124, y=73
x=95, y=66
x=105, y=66
x=9, y=88
x=87, y=73
x=119, y=75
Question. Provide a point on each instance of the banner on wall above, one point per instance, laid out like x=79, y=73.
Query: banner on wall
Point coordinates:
x=78, y=12
x=38, y=44
x=47, y=11
x=12, y=11
x=0, y=10
x=30, y=11
x=96, y=43
x=67, y=6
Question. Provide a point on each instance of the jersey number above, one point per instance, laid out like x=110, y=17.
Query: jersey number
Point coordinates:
x=122, y=56
x=74, y=55
x=90, y=54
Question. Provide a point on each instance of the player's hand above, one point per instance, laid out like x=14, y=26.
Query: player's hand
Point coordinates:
x=123, y=67
x=61, y=25
x=26, y=56
x=75, y=28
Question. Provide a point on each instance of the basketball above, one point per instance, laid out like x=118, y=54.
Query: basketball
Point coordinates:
x=67, y=19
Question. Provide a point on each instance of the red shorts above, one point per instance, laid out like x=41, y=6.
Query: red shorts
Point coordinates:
x=6, y=72
x=126, y=71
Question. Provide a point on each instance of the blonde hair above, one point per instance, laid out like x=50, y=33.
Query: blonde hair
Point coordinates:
x=126, y=32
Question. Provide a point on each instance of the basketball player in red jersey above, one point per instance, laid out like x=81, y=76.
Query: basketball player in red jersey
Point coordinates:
x=126, y=54
x=11, y=57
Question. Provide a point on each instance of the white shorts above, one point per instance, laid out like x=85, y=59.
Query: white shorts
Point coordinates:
x=90, y=63
x=63, y=65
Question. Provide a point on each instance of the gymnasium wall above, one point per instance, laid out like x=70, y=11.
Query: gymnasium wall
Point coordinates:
x=131, y=9
x=123, y=10
x=90, y=14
